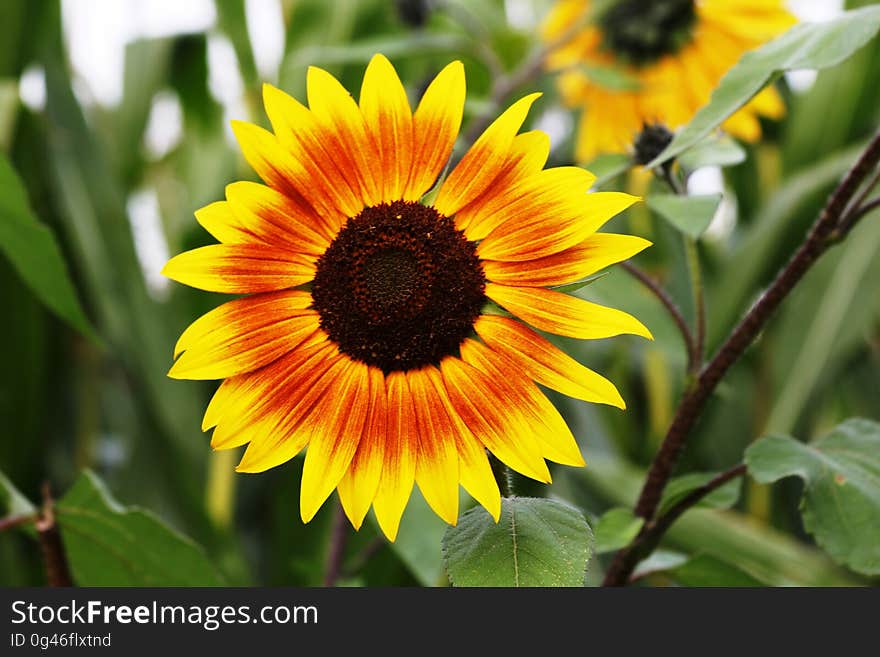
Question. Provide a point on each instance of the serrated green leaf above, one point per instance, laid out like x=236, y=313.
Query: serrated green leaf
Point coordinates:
x=537, y=542
x=805, y=46
x=841, y=500
x=689, y=214
x=111, y=545
x=616, y=529
x=33, y=251
x=12, y=502
x=713, y=151
x=680, y=487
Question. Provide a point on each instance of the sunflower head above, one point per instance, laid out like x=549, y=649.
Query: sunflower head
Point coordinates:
x=672, y=54
x=396, y=340
x=641, y=32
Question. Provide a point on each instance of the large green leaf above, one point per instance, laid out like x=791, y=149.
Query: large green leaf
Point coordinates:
x=841, y=501
x=805, y=46
x=34, y=253
x=111, y=545
x=689, y=214
x=537, y=542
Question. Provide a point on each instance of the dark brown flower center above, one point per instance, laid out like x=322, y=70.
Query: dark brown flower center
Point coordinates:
x=642, y=31
x=399, y=287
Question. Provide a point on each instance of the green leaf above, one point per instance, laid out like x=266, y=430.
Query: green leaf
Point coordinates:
x=680, y=487
x=616, y=529
x=689, y=214
x=660, y=561
x=805, y=46
x=32, y=250
x=841, y=500
x=608, y=166
x=12, y=502
x=537, y=542
x=111, y=545
x=713, y=151
x=706, y=570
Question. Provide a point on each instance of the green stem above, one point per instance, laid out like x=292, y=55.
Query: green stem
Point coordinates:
x=503, y=476
x=692, y=257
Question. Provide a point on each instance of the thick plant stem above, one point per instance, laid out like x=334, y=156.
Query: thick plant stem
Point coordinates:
x=819, y=239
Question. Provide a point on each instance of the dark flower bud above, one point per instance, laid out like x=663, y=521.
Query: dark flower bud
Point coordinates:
x=650, y=142
x=414, y=12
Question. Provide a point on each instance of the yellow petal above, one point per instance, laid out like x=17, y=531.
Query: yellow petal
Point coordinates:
x=436, y=122
x=401, y=450
x=563, y=314
x=573, y=264
x=542, y=361
x=345, y=132
x=357, y=488
x=240, y=268
x=389, y=122
x=437, y=471
x=336, y=428
x=481, y=402
x=484, y=161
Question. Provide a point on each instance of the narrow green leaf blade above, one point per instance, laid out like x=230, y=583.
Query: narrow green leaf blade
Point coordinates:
x=537, y=542
x=33, y=251
x=111, y=545
x=680, y=487
x=689, y=214
x=805, y=46
x=841, y=500
x=615, y=529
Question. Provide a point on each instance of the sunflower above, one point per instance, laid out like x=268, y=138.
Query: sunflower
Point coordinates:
x=371, y=329
x=656, y=61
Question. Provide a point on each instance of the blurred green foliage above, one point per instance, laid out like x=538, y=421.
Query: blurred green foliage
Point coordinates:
x=69, y=403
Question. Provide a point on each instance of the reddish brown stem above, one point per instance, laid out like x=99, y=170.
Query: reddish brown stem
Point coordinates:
x=662, y=295
x=51, y=544
x=818, y=240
